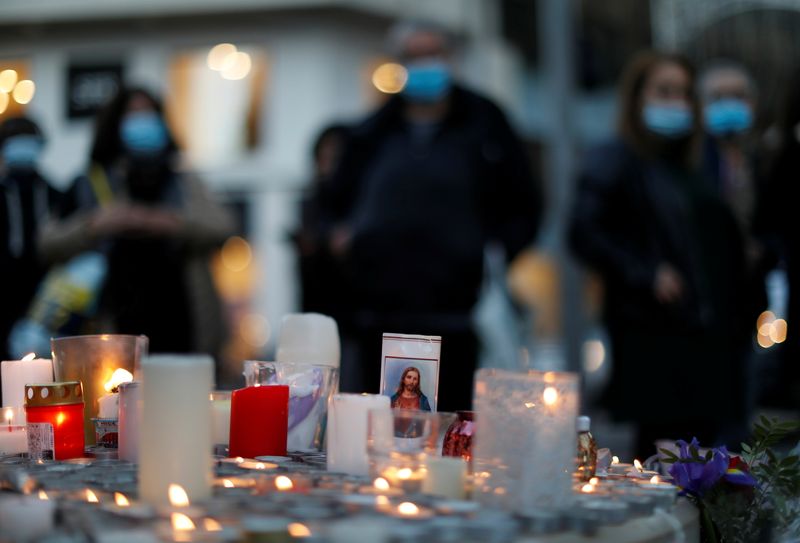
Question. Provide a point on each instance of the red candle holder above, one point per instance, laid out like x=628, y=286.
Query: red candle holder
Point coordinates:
x=259, y=421
x=55, y=420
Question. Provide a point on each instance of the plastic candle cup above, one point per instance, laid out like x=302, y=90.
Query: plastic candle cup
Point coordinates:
x=55, y=420
x=259, y=421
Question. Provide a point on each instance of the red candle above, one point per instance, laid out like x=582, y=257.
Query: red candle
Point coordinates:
x=259, y=421
x=55, y=420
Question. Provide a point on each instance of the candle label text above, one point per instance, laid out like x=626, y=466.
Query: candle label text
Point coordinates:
x=41, y=443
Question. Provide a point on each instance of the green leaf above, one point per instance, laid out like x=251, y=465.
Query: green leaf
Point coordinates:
x=671, y=457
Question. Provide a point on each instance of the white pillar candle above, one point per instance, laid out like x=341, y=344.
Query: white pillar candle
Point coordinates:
x=347, y=431
x=446, y=476
x=15, y=374
x=220, y=417
x=175, y=430
x=108, y=406
x=13, y=439
x=130, y=414
x=25, y=518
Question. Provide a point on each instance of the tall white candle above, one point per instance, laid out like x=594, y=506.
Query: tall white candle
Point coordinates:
x=220, y=417
x=347, y=431
x=130, y=414
x=446, y=476
x=175, y=430
x=16, y=374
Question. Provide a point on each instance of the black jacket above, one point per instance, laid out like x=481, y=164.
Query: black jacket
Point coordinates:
x=423, y=201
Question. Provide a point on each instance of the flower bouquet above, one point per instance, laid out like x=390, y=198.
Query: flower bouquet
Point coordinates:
x=742, y=498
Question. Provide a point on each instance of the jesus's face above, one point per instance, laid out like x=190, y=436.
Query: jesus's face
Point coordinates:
x=411, y=381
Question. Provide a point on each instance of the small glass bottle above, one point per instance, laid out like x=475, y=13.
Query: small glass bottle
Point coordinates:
x=587, y=449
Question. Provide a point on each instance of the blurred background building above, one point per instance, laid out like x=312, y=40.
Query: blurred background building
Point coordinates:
x=249, y=83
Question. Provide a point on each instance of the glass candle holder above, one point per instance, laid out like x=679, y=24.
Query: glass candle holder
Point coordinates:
x=310, y=389
x=55, y=420
x=92, y=361
x=130, y=415
x=458, y=438
x=398, y=442
x=220, y=418
x=525, y=452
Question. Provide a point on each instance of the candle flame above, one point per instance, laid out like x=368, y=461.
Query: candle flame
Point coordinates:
x=238, y=459
x=550, y=396
x=655, y=480
x=121, y=500
x=637, y=465
x=178, y=496
x=91, y=497
x=594, y=481
x=60, y=418
x=181, y=522
x=260, y=466
x=381, y=501
x=43, y=495
x=297, y=529
x=588, y=488
x=615, y=459
x=227, y=483
x=381, y=484
x=212, y=525
x=117, y=378
x=530, y=405
x=282, y=482
x=28, y=357
x=404, y=473
x=408, y=509
x=9, y=415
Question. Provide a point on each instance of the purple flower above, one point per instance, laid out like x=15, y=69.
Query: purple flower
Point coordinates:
x=696, y=476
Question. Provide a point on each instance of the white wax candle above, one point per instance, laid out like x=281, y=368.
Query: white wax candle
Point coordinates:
x=446, y=476
x=25, y=518
x=13, y=439
x=130, y=413
x=347, y=431
x=175, y=430
x=15, y=374
x=220, y=420
x=108, y=406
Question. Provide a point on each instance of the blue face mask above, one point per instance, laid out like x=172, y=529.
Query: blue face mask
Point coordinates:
x=143, y=133
x=428, y=81
x=728, y=116
x=22, y=151
x=668, y=120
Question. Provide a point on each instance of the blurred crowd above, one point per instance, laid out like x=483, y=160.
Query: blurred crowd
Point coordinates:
x=682, y=215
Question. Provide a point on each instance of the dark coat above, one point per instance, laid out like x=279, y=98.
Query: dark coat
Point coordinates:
x=25, y=201
x=670, y=362
x=423, y=201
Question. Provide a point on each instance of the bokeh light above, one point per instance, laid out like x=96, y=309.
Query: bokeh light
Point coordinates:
x=389, y=78
x=236, y=66
x=254, y=329
x=8, y=78
x=594, y=355
x=218, y=54
x=24, y=91
x=3, y=102
x=236, y=254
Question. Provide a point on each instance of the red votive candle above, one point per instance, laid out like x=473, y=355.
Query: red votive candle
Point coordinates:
x=259, y=421
x=54, y=413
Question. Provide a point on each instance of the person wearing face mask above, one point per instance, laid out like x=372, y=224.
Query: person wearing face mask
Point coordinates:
x=423, y=184
x=26, y=199
x=156, y=226
x=669, y=252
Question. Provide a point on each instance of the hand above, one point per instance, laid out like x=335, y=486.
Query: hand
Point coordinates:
x=668, y=285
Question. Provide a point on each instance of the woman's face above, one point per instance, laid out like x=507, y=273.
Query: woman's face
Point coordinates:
x=667, y=84
x=411, y=380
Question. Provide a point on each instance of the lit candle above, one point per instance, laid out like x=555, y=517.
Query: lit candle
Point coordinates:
x=259, y=421
x=15, y=374
x=174, y=433
x=410, y=480
x=446, y=476
x=13, y=437
x=25, y=518
x=347, y=431
x=108, y=405
x=55, y=420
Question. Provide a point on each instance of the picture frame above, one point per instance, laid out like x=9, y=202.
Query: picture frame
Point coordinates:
x=402, y=356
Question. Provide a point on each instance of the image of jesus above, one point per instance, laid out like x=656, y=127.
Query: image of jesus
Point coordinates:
x=409, y=394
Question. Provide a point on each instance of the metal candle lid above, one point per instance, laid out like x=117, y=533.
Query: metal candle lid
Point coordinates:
x=50, y=394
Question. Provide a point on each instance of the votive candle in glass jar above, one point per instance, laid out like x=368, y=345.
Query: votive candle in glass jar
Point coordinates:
x=55, y=420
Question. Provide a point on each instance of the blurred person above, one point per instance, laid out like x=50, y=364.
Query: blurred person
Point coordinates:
x=782, y=196
x=322, y=283
x=731, y=160
x=156, y=226
x=423, y=185
x=27, y=199
x=669, y=252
